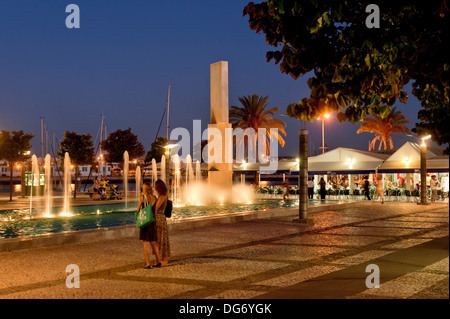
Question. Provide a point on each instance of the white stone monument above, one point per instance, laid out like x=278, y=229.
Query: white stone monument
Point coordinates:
x=220, y=171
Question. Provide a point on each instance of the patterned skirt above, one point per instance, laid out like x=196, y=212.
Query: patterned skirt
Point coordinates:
x=162, y=236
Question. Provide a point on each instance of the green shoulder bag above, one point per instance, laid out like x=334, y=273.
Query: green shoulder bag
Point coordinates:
x=144, y=217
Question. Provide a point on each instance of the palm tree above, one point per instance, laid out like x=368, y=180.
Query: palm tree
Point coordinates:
x=253, y=114
x=384, y=128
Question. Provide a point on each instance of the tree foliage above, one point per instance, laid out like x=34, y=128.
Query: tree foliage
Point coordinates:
x=157, y=150
x=80, y=149
x=359, y=71
x=14, y=147
x=384, y=128
x=434, y=117
x=120, y=141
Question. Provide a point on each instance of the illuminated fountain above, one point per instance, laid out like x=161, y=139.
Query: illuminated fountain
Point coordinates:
x=48, y=187
x=217, y=194
x=43, y=206
x=126, y=169
x=138, y=182
x=189, y=189
x=198, y=172
x=177, y=181
x=67, y=186
x=163, y=168
x=35, y=174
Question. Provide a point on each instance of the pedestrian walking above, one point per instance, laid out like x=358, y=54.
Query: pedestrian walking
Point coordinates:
x=310, y=188
x=367, y=187
x=162, y=230
x=148, y=234
x=379, y=191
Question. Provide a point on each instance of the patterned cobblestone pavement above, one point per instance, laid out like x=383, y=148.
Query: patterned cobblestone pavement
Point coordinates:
x=263, y=258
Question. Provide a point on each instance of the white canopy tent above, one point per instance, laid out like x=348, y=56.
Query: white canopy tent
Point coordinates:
x=344, y=161
x=407, y=160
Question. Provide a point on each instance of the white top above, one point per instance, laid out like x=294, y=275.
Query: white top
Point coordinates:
x=433, y=184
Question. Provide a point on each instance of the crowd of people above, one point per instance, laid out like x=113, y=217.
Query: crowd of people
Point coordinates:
x=371, y=189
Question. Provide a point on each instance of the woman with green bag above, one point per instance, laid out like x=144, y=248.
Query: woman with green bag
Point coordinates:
x=148, y=233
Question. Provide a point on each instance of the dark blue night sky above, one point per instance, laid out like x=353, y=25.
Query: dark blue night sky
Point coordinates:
x=126, y=54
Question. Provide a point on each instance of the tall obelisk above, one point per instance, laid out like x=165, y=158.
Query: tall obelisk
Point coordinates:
x=220, y=170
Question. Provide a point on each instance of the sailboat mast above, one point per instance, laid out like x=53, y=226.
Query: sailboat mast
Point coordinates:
x=168, y=108
x=42, y=137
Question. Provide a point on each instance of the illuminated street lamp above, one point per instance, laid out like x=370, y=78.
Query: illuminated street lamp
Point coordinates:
x=168, y=148
x=100, y=166
x=424, y=139
x=22, y=174
x=323, y=132
x=423, y=171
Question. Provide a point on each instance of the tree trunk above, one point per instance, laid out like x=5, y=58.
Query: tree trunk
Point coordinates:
x=303, y=175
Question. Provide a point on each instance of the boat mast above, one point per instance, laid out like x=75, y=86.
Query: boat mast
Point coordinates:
x=168, y=107
x=42, y=137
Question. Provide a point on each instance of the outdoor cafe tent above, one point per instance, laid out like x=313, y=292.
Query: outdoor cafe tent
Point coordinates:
x=343, y=161
x=407, y=160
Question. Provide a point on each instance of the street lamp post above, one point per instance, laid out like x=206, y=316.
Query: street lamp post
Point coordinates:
x=168, y=148
x=423, y=171
x=303, y=179
x=323, y=132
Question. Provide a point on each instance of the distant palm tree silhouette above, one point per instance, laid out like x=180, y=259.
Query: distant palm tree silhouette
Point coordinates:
x=384, y=128
x=253, y=114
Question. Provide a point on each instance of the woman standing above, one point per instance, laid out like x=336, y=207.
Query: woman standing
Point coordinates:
x=322, y=185
x=434, y=184
x=148, y=234
x=161, y=222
